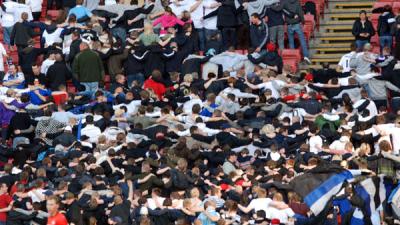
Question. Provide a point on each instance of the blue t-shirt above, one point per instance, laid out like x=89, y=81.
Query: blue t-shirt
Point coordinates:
x=80, y=11
x=35, y=99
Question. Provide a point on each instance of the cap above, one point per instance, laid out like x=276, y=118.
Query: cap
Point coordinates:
x=309, y=77
x=271, y=47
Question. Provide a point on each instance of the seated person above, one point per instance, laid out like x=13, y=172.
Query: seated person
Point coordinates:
x=13, y=78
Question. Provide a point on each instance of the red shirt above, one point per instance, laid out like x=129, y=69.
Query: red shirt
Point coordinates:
x=5, y=200
x=158, y=88
x=58, y=219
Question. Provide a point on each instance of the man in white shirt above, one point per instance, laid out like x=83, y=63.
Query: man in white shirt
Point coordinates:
x=36, y=8
x=91, y=130
x=344, y=62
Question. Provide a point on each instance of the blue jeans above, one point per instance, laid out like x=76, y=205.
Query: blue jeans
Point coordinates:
x=91, y=86
x=395, y=104
x=209, y=33
x=360, y=43
x=202, y=38
x=296, y=28
x=7, y=34
x=385, y=41
x=139, y=77
x=119, y=32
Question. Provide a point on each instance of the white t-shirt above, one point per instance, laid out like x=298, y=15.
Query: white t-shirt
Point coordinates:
x=260, y=204
x=35, y=5
x=315, y=143
x=152, y=204
x=274, y=88
x=46, y=64
x=36, y=195
x=210, y=23
x=197, y=14
x=2, y=53
x=282, y=214
x=345, y=62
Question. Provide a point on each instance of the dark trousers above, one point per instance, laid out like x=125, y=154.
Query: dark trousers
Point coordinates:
x=36, y=15
x=51, y=2
x=228, y=37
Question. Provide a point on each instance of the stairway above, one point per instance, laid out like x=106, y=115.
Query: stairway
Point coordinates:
x=334, y=36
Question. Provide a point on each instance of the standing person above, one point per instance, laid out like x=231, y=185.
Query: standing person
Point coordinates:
x=58, y=73
x=385, y=22
x=88, y=68
x=36, y=8
x=258, y=32
x=396, y=33
x=3, y=54
x=21, y=33
x=363, y=30
x=226, y=22
x=274, y=17
x=5, y=203
x=294, y=16
x=55, y=217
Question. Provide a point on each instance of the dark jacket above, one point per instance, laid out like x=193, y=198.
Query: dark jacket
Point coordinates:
x=57, y=75
x=384, y=27
x=358, y=28
x=292, y=8
x=258, y=35
x=275, y=15
x=134, y=63
x=88, y=67
x=17, y=218
x=226, y=15
x=21, y=34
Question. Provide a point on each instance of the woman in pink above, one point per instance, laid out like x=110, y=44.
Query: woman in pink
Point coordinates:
x=168, y=20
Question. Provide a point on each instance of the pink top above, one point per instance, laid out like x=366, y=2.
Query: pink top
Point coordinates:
x=168, y=21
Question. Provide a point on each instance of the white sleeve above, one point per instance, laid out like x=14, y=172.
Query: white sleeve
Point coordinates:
x=183, y=133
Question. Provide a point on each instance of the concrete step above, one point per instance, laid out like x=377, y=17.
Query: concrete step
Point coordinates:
x=331, y=39
x=328, y=50
x=333, y=34
x=344, y=16
x=332, y=45
x=352, y=4
x=324, y=56
x=338, y=22
x=336, y=10
x=332, y=28
x=324, y=60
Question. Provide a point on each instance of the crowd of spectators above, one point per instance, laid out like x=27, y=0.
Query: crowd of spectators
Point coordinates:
x=188, y=130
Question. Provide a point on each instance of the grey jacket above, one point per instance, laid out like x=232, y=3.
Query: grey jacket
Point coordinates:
x=292, y=8
x=377, y=88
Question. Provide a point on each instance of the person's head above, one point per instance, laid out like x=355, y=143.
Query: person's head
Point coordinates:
x=232, y=157
x=3, y=188
x=24, y=16
x=52, y=205
x=79, y=2
x=119, y=78
x=168, y=11
x=83, y=46
x=146, y=167
x=387, y=9
x=363, y=15
x=36, y=69
x=12, y=69
x=182, y=164
x=69, y=198
x=255, y=18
